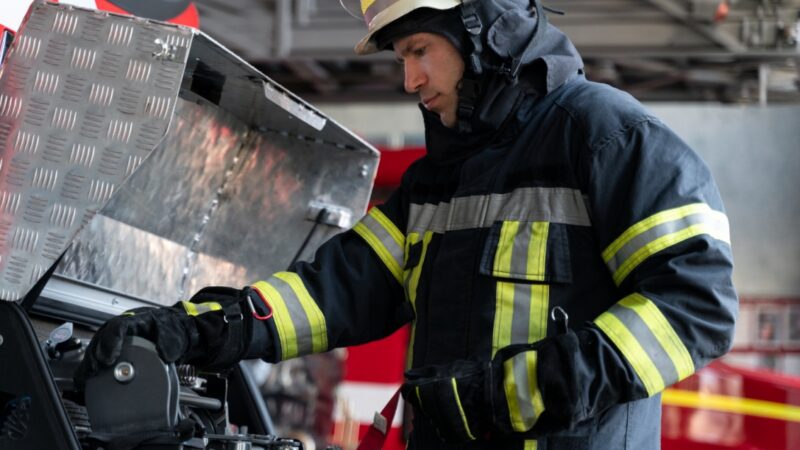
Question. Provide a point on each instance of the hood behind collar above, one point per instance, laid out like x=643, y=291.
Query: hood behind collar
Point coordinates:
x=553, y=63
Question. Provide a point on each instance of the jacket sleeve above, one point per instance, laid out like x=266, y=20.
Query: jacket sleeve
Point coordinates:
x=664, y=237
x=350, y=294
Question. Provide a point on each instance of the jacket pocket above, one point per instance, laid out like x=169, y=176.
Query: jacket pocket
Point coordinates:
x=524, y=259
x=527, y=251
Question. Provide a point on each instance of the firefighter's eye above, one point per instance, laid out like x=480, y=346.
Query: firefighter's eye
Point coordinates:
x=419, y=51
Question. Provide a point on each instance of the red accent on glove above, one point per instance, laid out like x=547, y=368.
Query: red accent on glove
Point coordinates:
x=266, y=303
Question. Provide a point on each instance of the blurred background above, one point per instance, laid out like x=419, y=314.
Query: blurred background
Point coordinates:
x=723, y=74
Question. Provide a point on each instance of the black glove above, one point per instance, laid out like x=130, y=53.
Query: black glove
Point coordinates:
x=213, y=331
x=455, y=398
x=467, y=400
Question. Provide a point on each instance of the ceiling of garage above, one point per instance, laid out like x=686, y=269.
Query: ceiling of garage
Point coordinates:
x=659, y=50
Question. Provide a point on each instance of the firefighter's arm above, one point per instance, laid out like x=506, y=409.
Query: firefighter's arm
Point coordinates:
x=658, y=217
x=350, y=294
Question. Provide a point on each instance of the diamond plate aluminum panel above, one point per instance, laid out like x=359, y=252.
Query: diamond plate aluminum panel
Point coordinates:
x=217, y=203
x=85, y=96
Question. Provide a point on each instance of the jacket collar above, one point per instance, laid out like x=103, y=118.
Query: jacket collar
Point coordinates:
x=556, y=62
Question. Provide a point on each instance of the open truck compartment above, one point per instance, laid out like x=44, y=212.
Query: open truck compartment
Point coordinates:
x=139, y=162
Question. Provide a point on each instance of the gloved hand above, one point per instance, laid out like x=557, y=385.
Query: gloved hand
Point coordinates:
x=456, y=398
x=469, y=400
x=212, y=331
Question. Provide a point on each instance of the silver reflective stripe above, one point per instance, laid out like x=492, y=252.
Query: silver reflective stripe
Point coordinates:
x=385, y=239
x=302, y=326
x=649, y=343
x=395, y=249
x=527, y=413
x=644, y=336
x=519, y=255
x=716, y=221
x=521, y=319
x=521, y=388
x=556, y=205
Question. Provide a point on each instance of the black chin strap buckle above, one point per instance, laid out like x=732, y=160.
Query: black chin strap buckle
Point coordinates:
x=472, y=22
x=474, y=26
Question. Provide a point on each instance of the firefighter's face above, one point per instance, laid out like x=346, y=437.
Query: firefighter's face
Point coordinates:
x=433, y=68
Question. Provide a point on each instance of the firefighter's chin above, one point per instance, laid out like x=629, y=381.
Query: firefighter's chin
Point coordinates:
x=448, y=118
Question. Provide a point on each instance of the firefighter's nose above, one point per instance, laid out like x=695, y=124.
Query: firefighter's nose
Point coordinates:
x=414, y=77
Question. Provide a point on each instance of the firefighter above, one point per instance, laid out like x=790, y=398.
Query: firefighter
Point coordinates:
x=561, y=254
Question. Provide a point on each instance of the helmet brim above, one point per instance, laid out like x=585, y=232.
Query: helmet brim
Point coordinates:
x=394, y=12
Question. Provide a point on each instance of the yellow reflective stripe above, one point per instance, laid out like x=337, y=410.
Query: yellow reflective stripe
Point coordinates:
x=658, y=245
x=537, y=250
x=660, y=231
x=505, y=248
x=540, y=293
x=503, y=316
x=520, y=308
x=633, y=352
x=530, y=445
x=319, y=330
x=461, y=410
x=663, y=331
x=411, y=296
x=735, y=405
x=412, y=282
x=533, y=384
x=410, y=352
x=190, y=308
x=382, y=252
x=394, y=240
x=525, y=402
x=416, y=272
x=540, y=302
x=195, y=309
x=283, y=320
x=388, y=225
x=650, y=222
x=510, y=388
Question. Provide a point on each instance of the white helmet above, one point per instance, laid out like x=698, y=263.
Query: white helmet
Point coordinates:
x=380, y=13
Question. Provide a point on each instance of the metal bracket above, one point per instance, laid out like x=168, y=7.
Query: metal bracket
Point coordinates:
x=334, y=215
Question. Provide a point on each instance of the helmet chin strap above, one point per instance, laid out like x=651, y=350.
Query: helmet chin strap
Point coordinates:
x=469, y=90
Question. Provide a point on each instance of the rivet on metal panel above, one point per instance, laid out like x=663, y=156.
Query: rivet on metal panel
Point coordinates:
x=164, y=50
x=364, y=171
